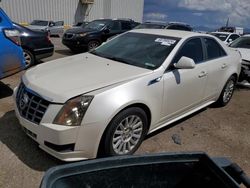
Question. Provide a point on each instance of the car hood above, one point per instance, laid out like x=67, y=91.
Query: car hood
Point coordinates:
x=61, y=79
x=36, y=27
x=81, y=30
x=245, y=53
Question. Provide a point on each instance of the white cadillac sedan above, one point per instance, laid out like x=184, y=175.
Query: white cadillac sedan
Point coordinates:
x=106, y=101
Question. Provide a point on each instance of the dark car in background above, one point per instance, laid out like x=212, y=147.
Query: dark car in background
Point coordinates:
x=152, y=25
x=95, y=33
x=11, y=54
x=165, y=25
x=36, y=45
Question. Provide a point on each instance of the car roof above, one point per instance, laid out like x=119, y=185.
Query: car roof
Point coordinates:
x=170, y=33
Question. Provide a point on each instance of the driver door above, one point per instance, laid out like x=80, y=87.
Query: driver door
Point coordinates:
x=184, y=88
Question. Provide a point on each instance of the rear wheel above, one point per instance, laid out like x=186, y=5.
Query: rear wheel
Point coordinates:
x=227, y=92
x=29, y=58
x=125, y=132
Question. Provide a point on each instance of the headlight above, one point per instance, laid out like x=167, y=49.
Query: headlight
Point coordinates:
x=73, y=111
x=81, y=34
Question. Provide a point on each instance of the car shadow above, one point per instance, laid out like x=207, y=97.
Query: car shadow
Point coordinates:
x=66, y=52
x=22, y=146
x=5, y=90
x=175, y=123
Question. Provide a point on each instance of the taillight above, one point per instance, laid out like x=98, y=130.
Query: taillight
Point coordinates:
x=13, y=35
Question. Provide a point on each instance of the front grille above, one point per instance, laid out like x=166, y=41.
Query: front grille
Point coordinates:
x=68, y=35
x=30, y=105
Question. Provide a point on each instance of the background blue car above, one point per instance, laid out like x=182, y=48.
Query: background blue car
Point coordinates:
x=11, y=54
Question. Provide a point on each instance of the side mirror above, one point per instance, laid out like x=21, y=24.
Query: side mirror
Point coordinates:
x=185, y=63
x=230, y=40
x=51, y=24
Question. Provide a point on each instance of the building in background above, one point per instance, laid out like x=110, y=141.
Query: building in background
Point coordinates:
x=72, y=11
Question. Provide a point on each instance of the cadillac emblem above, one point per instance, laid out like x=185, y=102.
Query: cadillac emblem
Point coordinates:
x=23, y=103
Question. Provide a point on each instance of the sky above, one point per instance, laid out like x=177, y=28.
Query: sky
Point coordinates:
x=206, y=13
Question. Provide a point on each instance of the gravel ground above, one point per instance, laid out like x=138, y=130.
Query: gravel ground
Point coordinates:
x=216, y=131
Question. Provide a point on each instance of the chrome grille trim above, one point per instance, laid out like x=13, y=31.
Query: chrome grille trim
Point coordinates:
x=30, y=105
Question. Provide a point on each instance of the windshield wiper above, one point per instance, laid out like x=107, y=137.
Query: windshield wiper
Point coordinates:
x=129, y=62
x=121, y=60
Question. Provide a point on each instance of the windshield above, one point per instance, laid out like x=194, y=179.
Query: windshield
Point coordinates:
x=150, y=26
x=220, y=36
x=138, y=49
x=39, y=23
x=242, y=42
x=96, y=25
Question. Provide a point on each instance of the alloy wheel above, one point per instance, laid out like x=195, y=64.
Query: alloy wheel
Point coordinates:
x=127, y=134
x=228, y=92
x=27, y=58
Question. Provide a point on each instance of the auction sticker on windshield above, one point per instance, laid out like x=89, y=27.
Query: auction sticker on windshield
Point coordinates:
x=166, y=42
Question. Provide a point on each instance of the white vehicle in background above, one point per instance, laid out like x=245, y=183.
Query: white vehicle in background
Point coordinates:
x=106, y=101
x=243, y=45
x=226, y=37
x=53, y=28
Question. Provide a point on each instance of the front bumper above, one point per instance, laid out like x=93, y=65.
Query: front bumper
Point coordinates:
x=75, y=42
x=58, y=135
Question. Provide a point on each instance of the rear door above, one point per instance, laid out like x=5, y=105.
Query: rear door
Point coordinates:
x=11, y=56
x=218, y=62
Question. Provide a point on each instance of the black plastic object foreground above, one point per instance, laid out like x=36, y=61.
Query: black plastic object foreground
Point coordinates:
x=169, y=170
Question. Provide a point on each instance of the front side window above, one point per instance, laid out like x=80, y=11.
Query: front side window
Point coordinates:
x=97, y=25
x=214, y=50
x=232, y=38
x=191, y=49
x=142, y=50
x=242, y=42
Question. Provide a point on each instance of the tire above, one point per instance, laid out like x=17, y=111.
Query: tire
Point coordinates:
x=227, y=92
x=29, y=58
x=125, y=132
x=93, y=44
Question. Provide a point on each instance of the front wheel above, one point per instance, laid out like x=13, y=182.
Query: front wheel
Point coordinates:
x=227, y=92
x=93, y=44
x=125, y=132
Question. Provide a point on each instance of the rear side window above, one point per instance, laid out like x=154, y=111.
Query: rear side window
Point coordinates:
x=214, y=50
x=191, y=49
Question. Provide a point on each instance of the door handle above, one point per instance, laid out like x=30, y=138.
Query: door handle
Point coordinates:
x=202, y=74
x=224, y=66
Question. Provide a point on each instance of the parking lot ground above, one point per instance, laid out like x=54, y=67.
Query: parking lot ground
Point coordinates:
x=217, y=131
